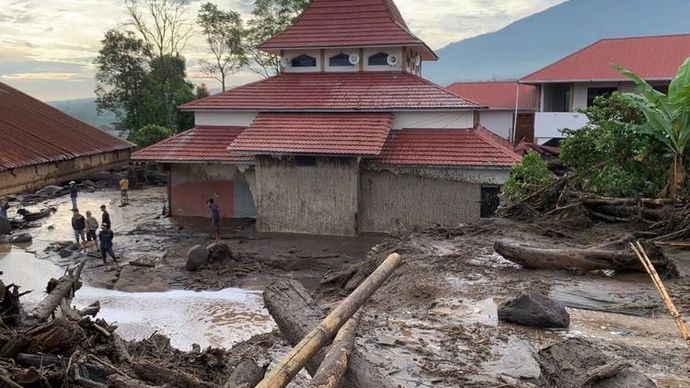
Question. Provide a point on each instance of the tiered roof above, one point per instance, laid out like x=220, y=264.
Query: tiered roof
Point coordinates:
x=199, y=144
x=353, y=23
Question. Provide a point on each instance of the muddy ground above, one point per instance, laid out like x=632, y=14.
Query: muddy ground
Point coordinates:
x=434, y=323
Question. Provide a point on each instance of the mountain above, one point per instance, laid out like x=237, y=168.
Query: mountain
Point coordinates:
x=540, y=39
x=85, y=109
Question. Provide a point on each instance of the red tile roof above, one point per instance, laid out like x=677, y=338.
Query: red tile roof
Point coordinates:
x=315, y=133
x=497, y=95
x=362, y=91
x=199, y=144
x=447, y=147
x=652, y=57
x=352, y=23
x=32, y=132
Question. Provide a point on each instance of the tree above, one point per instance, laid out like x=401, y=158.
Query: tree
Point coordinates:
x=161, y=24
x=527, y=177
x=167, y=87
x=667, y=121
x=269, y=18
x=223, y=31
x=149, y=134
x=121, y=75
x=201, y=91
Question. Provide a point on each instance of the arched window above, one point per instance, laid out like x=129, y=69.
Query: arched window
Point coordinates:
x=380, y=59
x=340, y=60
x=304, y=60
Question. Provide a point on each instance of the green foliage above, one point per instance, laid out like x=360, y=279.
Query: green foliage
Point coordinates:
x=149, y=134
x=530, y=175
x=608, y=156
x=201, y=91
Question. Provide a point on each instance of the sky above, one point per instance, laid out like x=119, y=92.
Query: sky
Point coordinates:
x=47, y=47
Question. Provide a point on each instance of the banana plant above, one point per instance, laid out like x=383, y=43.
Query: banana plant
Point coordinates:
x=668, y=120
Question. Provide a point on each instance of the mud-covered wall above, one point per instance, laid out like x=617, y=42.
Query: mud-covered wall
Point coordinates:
x=191, y=185
x=391, y=197
x=307, y=195
x=34, y=177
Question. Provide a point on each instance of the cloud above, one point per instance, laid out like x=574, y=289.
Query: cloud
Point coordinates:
x=56, y=76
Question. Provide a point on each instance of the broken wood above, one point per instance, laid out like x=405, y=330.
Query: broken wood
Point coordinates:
x=65, y=288
x=649, y=267
x=163, y=376
x=319, y=336
x=332, y=370
x=586, y=259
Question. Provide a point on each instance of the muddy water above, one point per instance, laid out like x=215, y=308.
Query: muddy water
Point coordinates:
x=219, y=318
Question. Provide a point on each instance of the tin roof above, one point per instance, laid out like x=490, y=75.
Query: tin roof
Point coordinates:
x=472, y=147
x=199, y=144
x=360, y=91
x=353, y=23
x=315, y=133
x=497, y=95
x=32, y=132
x=651, y=57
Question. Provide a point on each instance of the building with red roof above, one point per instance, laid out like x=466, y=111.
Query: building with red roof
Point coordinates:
x=39, y=145
x=346, y=138
x=574, y=81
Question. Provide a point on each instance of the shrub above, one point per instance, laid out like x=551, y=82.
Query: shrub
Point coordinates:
x=149, y=134
x=525, y=178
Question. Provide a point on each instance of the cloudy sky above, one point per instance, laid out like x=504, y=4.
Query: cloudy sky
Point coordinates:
x=47, y=47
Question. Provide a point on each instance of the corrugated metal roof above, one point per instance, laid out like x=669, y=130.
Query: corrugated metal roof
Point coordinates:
x=315, y=133
x=472, y=147
x=361, y=91
x=353, y=23
x=32, y=132
x=199, y=144
x=497, y=95
x=652, y=57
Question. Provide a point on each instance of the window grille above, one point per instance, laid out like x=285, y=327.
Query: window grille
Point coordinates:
x=490, y=201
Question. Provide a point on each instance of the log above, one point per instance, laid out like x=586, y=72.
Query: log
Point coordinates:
x=332, y=370
x=163, y=376
x=40, y=360
x=247, y=374
x=586, y=259
x=314, y=340
x=65, y=287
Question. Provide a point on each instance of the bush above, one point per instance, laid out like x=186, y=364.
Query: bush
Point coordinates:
x=608, y=157
x=527, y=177
x=149, y=134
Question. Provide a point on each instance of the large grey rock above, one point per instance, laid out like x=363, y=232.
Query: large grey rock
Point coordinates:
x=196, y=257
x=534, y=310
x=5, y=225
x=218, y=251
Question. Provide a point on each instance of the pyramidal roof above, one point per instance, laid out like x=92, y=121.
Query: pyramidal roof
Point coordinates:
x=348, y=23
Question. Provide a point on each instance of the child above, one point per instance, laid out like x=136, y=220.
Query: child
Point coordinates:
x=106, y=237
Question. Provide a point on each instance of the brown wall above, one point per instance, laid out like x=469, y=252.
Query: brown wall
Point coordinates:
x=396, y=198
x=34, y=177
x=296, y=197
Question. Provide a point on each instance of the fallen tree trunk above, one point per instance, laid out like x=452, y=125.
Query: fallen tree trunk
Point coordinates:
x=586, y=259
x=333, y=367
x=576, y=363
x=64, y=288
x=164, y=376
x=296, y=313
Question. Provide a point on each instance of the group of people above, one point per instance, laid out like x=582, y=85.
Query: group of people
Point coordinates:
x=86, y=228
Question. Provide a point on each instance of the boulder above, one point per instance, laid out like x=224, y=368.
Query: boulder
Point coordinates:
x=5, y=225
x=15, y=238
x=534, y=310
x=64, y=252
x=218, y=251
x=50, y=191
x=196, y=257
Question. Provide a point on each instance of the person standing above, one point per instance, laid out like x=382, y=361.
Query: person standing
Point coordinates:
x=79, y=225
x=215, y=218
x=105, y=217
x=91, y=228
x=106, y=237
x=73, y=194
x=124, y=187
x=4, y=207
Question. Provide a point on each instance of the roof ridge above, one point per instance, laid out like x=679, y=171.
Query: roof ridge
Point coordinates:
x=646, y=36
x=561, y=60
x=502, y=144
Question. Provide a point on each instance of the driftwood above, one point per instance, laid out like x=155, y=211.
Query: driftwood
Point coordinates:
x=296, y=313
x=333, y=367
x=163, y=376
x=585, y=259
x=576, y=363
x=63, y=289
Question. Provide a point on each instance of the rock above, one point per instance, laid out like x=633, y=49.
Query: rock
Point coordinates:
x=5, y=225
x=218, y=251
x=64, y=252
x=15, y=239
x=196, y=257
x=50, y=191
x=534, y=310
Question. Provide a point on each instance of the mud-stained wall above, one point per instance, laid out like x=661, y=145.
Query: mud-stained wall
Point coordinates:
x=390, y=198
x=191, y=185
x=34, y=177
x=307, y=195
